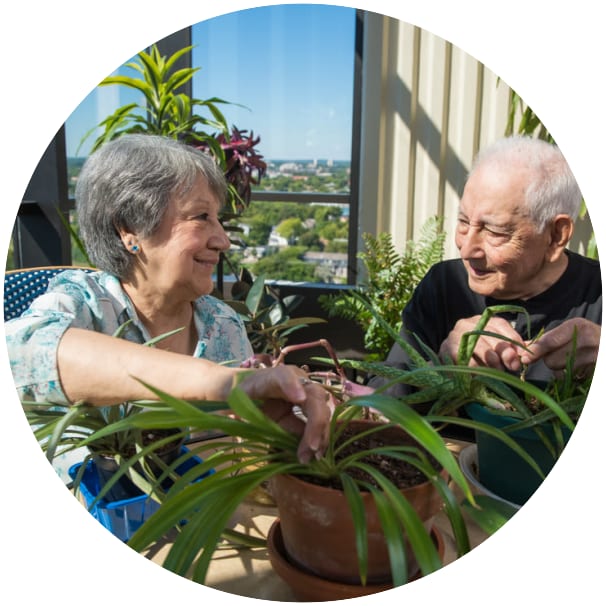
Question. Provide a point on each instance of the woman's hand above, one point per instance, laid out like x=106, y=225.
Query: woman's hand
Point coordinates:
x=282, y=387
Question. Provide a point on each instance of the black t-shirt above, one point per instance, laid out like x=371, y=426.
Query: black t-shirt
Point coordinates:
x=443, y=297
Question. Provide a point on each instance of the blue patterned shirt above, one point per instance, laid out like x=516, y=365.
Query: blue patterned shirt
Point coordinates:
x=96, y=301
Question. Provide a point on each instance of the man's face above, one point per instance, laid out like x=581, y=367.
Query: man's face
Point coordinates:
x=503, y=253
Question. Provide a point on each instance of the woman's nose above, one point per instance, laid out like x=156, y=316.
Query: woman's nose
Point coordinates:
x=219, y=240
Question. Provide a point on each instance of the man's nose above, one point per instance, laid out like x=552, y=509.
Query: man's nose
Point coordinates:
x=470, y=244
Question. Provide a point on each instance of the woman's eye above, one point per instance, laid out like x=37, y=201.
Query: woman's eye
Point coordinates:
x=203, y=217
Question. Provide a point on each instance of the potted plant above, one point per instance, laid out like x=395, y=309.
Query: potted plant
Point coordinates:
x=391, y=278
x=121, y=475
x=521, y=428
x=266, y=315
x=256, y=451
x=166, y=110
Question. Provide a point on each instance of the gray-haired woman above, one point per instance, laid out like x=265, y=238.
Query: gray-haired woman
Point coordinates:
x=148, y=209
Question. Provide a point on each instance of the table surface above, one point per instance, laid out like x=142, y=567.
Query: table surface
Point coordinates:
x=248, y=572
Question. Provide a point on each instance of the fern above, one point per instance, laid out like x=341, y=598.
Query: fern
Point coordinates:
x=391, y=279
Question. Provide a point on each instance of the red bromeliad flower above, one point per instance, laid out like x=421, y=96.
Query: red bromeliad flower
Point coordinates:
x=244, y=166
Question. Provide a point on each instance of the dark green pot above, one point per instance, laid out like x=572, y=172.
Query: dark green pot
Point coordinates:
x=502, y=470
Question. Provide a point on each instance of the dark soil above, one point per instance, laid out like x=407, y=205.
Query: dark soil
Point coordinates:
x=400, y=473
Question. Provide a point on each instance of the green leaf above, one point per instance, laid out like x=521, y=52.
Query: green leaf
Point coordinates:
x=489, y=513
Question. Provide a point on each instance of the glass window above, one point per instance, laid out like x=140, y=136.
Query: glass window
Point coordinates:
x=289, y=72
x=291, y=67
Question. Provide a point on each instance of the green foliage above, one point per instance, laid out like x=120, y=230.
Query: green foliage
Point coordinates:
x=286, y=263
x=529, y=124
x=61, y=428
x=256, y=449
x=392, y=278
x=167, y=111
x=265, y=314
x=448, y=386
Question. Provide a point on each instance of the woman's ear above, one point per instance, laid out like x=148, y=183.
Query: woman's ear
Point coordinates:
x=130, y=241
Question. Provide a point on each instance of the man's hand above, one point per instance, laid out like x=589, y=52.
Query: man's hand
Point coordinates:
x=489, y=351
x=555, y=345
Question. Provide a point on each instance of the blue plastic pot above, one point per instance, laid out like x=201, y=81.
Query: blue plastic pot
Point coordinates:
x=124, y=516
x=501, y=469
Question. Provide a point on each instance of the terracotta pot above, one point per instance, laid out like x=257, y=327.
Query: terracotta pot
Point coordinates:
x=310, y=588
x=318, y=530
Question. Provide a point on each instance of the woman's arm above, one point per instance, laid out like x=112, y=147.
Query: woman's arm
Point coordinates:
x=103, y=370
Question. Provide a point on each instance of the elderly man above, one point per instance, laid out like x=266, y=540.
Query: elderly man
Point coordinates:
x=515, y=220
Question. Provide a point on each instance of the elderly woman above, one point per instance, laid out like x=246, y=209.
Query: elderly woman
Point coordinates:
x=515, y=221
x=148, y=209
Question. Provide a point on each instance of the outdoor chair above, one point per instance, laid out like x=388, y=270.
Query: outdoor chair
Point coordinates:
x=22, y=286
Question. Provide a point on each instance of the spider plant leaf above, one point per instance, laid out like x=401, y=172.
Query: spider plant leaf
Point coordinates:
x=489, y=513
x=356, y=506
x=420, y=430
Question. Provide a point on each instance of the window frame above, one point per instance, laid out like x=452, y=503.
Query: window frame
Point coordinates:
x=40, y=238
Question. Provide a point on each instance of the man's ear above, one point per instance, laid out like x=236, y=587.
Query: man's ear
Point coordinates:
x=561, y=230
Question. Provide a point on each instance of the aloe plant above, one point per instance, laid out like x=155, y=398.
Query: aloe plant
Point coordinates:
x=449, y=386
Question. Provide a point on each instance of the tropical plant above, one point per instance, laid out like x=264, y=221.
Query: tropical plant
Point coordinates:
x=166, y=110
x=448, y=386
x=266, y=315
x=62, y=428
x=391, y=279
x=256, y=449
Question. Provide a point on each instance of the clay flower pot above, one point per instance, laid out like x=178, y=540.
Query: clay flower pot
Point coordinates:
x=308, y=587
x=318, y=531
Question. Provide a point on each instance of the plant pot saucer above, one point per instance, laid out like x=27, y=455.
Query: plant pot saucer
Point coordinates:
x=308, y=587
x=468, y=462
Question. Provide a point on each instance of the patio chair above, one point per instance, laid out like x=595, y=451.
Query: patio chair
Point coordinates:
x=22, y=286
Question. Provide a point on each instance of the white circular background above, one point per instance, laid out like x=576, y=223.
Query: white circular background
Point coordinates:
x=54, y=53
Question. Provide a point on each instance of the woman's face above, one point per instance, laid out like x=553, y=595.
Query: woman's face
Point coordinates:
x=503, y=253
x=181, y=256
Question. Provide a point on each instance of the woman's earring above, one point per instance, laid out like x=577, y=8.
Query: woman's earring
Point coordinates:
x=135, y=248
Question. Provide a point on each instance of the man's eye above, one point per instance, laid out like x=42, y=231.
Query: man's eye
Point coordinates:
x=203, y=217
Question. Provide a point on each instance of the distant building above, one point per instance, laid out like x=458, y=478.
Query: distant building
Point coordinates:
x=276, y=240
x=331, y=267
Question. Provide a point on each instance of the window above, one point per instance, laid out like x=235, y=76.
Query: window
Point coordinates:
x=287, y=72
x=292, y=68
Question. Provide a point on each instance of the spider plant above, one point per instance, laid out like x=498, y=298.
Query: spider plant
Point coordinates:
x=62, y=428
x=256, y=449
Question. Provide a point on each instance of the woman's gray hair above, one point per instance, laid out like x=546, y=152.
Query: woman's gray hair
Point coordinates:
x=553, y=189
x=127, y=184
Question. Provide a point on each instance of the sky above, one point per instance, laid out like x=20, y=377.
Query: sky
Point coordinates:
x=291, y=66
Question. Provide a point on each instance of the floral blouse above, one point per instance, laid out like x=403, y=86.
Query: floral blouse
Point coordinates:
x=96, y=301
